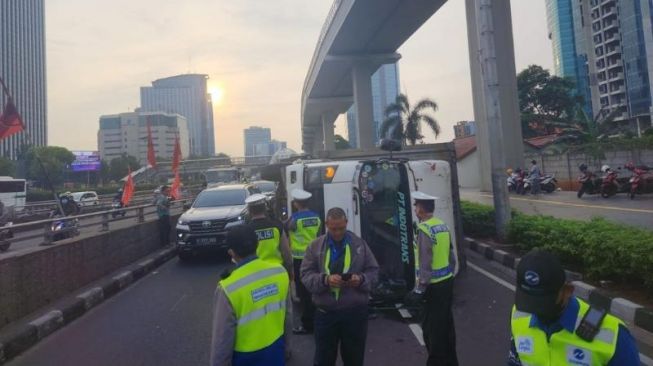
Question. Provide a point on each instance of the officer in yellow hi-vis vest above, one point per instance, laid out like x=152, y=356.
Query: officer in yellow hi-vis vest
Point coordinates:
x=273, y=243
x=434, y=283
x=303, y=227
x=252, y=308
x=551, y=327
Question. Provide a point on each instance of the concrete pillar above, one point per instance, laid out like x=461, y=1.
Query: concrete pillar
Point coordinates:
x=362, y=79
x=327, y=132
x=513, y=144
x=318, y=141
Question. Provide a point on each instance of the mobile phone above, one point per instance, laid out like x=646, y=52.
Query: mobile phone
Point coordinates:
x=346, y=276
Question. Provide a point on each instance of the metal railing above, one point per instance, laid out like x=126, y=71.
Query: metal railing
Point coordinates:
x=44, y=228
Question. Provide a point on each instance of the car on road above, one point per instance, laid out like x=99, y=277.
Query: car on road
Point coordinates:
x=203, y=227
x=85, y=199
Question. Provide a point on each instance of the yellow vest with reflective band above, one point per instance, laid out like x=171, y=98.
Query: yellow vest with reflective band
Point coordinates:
x=564, y=347
x=268, y=249
x=345, y=268
x=437, y=230
x=306, y=231
x=257, y=292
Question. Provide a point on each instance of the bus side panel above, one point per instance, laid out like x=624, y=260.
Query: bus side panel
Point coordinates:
x=433, y=177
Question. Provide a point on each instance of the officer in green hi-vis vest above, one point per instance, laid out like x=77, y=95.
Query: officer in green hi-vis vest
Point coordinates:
x=252, y=317
x=434, y=283
x=551, y=327
x=273, y=245
x=303, y=227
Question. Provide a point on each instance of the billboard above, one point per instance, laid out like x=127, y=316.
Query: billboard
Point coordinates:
x=86, y=161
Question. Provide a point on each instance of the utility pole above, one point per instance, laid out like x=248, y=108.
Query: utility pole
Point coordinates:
x=490, y=76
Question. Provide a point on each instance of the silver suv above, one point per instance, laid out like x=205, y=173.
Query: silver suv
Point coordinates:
x=204, y=226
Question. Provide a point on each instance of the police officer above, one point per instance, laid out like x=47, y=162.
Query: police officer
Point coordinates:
x=273, y=243
x=251, y=308
x=303, y=227
x=550, y=326
x=434, y=287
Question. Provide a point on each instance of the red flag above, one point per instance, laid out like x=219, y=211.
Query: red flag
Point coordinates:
x=10, y=121
x=128, y=190
x=176, y=156
x=151, y=156
x=175, y=192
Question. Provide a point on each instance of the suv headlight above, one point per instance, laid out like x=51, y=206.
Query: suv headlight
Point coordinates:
x=235, y=221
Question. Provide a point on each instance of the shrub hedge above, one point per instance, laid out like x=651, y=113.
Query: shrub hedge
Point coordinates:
x=601, y=249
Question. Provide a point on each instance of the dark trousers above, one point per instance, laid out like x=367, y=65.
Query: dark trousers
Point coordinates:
x=308, y=309
x=437, y=324
x=164, y=230
x=346, y=329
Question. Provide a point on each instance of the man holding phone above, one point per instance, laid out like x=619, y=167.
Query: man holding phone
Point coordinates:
x=339, y=271
x=550, y=326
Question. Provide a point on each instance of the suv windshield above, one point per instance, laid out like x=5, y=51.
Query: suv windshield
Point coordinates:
x=232, y=197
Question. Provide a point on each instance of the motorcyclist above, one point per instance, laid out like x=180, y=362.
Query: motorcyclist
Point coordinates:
x=68, y=204
x=118, y=196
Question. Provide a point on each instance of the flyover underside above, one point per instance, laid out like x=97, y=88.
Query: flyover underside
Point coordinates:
x=362, y=32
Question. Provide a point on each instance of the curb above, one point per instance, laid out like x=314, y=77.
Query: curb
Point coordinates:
x=32, y=333
x=623, y=308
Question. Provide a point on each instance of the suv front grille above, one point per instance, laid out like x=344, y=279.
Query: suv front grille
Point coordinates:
x=208, y=226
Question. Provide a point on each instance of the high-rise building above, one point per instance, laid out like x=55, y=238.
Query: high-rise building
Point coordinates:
x=256, y=136
x=185, y=95
x=22, y=67
x=569, y=49
x=385, y=89
x=464, y=129
x=126, y=133
x=613, y=40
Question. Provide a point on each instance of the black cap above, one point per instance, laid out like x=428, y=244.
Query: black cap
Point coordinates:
x=540, y=277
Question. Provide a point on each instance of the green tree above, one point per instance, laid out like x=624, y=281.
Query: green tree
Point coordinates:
x=404, y=123
x=7, y=167
x=341, y=143
x=545, y=101
x=119, y=167
x=48, y=162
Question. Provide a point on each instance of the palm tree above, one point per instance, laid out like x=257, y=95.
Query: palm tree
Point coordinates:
x=404, y=123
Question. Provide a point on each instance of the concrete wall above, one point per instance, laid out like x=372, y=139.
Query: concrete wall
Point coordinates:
x=565, y=166
x=32, y=280
x=469, y=171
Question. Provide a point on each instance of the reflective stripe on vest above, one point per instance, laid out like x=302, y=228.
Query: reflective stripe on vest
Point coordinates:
x=439, y=234
x=306, y=231
x=268, y=245
x=564, y=347
x=257, y=292
x=345, y=269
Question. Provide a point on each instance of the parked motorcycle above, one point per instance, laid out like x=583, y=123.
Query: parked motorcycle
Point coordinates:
x=5, y=235
x=515, y=181
x=641, y=181
x=609, y=184
x=116, y=209
x=548, y=184
x=589, y=183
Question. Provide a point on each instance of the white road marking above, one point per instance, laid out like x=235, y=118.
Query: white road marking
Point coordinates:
x=491, y=276
x=643, y=358
x=177, y=303
x=417, y=331
x=405, y=313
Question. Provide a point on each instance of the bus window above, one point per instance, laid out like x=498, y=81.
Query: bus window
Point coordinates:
x=13, y=186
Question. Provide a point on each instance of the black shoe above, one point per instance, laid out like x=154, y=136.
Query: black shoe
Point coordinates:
x=300, y=330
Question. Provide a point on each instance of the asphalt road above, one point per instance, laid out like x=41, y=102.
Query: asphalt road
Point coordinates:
x=165, y=319
x=21, y=246
x=620, y=208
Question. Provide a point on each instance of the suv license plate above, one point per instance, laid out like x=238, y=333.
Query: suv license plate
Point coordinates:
x=206, y=241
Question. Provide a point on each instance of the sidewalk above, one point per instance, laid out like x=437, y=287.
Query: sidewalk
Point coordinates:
x=561, y=204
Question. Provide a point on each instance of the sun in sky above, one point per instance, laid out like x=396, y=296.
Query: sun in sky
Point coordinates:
x=217, y=94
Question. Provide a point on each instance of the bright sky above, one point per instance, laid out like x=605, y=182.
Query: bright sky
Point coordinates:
x=256, y=53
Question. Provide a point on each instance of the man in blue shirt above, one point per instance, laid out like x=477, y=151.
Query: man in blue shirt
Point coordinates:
x=547, y=320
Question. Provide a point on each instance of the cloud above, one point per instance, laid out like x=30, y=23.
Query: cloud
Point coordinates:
x=100, y=52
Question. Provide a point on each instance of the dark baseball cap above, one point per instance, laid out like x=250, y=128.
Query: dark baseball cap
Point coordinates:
x=540, y=277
